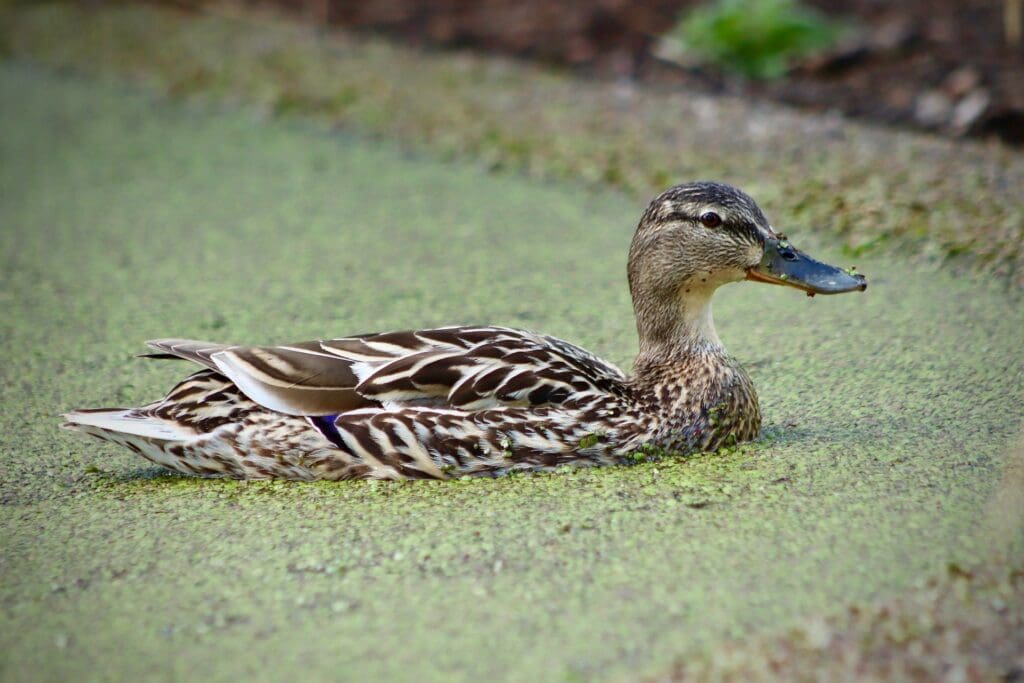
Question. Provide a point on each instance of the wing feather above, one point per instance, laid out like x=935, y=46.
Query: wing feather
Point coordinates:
x=292, y=379
x=187, y=349
x=468, y=368
x=473, y=370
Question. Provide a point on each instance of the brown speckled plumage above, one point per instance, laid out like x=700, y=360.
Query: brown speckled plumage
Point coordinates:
x=474, y=400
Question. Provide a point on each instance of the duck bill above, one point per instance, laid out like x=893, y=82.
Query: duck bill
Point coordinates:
x=783, y=264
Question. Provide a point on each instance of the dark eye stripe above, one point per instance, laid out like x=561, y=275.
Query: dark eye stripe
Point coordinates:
x=684, y=216
x=679, y=216
x=743, y=228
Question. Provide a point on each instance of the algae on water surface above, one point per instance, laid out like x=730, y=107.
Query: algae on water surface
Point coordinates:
x=126, y=218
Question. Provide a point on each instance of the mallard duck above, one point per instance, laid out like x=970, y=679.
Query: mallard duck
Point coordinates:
x=456, y=401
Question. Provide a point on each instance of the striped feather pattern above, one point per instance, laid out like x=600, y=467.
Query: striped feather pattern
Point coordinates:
x=416, y=404
x=472, y=400
x=473, y=368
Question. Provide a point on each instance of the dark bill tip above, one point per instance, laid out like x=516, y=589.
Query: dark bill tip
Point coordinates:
x=783, y=264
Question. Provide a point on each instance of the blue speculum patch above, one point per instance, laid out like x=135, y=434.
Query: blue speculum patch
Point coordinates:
x=325, y=424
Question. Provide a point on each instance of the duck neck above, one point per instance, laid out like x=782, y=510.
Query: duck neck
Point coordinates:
x=676, y=328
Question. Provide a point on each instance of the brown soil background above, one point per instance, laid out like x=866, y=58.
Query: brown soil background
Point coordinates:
x=942, y=65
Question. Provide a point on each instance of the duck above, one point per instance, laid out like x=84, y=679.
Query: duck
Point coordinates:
x=476, y=400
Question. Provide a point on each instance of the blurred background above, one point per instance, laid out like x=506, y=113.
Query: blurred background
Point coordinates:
x=954, y=66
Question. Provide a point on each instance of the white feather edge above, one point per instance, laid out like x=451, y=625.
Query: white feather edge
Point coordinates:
x=123, y=422
x=233, y=368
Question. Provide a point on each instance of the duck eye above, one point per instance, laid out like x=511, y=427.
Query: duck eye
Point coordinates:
x=710, y=219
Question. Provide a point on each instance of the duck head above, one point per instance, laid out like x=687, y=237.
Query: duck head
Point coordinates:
x=696, y=237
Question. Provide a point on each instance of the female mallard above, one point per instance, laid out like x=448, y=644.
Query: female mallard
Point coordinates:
x=486, y=400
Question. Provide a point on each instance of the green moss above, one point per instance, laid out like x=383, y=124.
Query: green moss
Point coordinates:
x=756, y=38
x=126, y=218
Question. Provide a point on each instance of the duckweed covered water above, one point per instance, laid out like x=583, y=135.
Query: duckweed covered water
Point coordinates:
x=125, y=218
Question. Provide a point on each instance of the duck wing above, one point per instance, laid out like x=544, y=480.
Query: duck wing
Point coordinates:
x=473, y=368
x=295, y=379
x=466, y=368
